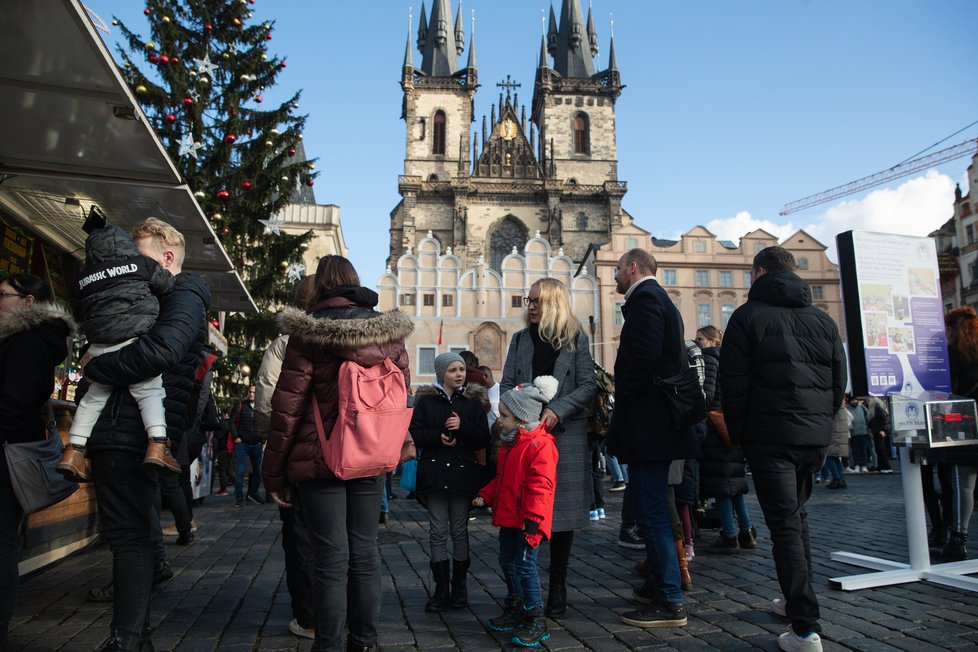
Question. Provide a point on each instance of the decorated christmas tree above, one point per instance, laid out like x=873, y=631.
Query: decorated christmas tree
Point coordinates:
x=200, y=76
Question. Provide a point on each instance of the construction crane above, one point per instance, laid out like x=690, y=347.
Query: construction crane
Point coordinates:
x=896, y=172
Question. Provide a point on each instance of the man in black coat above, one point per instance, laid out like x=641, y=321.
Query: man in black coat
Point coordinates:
x=783, y=376
x=126, y=489
x=642, y=434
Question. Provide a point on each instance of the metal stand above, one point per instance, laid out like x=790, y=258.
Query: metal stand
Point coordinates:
x=919, y=568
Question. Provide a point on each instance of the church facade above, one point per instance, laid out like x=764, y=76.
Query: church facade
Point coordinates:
x=481, y=190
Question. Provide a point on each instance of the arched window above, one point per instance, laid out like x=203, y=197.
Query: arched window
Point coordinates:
x=582, y=143
x=510, y=233
x=438, y=134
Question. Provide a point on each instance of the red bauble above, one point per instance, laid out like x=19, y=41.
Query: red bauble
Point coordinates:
x=310, y=182
x=225, y=231
x=282, y=65
x=188, y=102
x=246, y=185
x=230, y=138
x=292, y=151
x=146, y=12
x=215, y=323
x=208, y=27
x=164, y=59
x=153, y=58
x=170, y=118
x=268, y=37
x=174, y=59
x=258, y=99
x=223, y=195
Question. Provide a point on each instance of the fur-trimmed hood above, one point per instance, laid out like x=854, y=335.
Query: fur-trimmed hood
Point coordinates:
x=33, y=315
x=353, y=327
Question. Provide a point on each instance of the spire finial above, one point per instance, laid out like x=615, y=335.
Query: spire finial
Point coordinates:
x=471, y=64
x=407, y=51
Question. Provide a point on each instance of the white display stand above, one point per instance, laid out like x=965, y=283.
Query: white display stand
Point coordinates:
x=919, y=568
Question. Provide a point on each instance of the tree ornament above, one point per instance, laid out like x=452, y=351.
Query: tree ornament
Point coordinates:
x=208, y=27
x=300, y=136
x=237, y=22
x=174, y=59
x=225, y=231
x=141, y=90
x=225, y=56
x=230, y=138
x=146, y=12
x=200, y=194
x=223, y=195
x=150, y=45
x=266, y=26
x=281, y=65
x=246, y=185
x=204, y=66
x=258, y=99
x=189, y=148
x=310, y=182
x=292, y=151
x=295, y=272
x=170, y=118
x=273, y=226
x=166, y=20
x=192, y=72
x=204, y=80
x=274, y=131
x=153, y=58
x=285, y=179
x=164, y=59
x=311, y=166
x=217, y=217
x=115, y=22
x=295, y=105
x=264, y=57
x=188, y=102
x=268, y=37
x=269, y=143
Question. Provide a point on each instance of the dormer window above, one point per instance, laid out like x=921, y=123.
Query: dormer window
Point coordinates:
x=438, y=134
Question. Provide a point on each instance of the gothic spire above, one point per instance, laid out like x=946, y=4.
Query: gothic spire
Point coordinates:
x=422, y=28
x=459, y=31
x=408, y=63
x=552, y=31
x=592, y=36
x=573, y=56
x=612, y=62
x=439, y=53
x=543, y=53
x=471, y=63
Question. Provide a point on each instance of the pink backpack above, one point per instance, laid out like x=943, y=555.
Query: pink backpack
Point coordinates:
x=372, y=423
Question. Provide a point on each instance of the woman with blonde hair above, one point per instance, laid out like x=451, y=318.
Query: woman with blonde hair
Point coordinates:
x=553, y=344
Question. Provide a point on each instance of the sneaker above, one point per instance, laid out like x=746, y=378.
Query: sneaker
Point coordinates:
x=185, y=539
x=863, y=469
x=792, y=642
x=643, y=593
x=818, y=480
x=748, y=538
x=618, y=486
x=886, y=471
x=254, y=499
x=593, y=515
x=533, y=630
x=778, y=606
x=724, y=545
x=300, y=631
x=239, y=503
x=690, y=553
x=629, y=538
x=850, y=469
x=601, y=513
x=656, y=616
x=508, y=620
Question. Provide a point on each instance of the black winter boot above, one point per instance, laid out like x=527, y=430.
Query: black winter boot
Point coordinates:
x=511, y=617
x=441, y=599
x=460, y=593
x=534, y=630
x=956, y=548
x=121, y=641
x=557, y=594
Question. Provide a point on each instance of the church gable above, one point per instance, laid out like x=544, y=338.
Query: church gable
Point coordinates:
x=507, y=153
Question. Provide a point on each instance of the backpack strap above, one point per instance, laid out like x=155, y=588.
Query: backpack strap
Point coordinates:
x=317, y=417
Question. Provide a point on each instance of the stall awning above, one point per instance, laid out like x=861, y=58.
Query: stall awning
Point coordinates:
x=72, y=135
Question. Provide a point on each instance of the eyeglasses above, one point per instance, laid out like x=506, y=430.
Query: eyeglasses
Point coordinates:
x=11, y=294
x=527, y=301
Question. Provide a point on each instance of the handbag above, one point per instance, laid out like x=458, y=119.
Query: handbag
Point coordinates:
x=684, y=396
x=409, y=475
x=33, y=467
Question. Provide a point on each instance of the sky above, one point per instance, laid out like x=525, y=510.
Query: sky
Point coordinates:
x=731, y=109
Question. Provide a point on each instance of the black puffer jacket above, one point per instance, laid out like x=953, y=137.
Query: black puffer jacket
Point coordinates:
x=448, y=468
x=964, y=382
x=781, y=366
x=722, y=472
x=174, y=348
x=119, y=288
x=33, y=340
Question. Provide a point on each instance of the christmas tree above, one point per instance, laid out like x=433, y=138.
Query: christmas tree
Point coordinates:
x=200, y=77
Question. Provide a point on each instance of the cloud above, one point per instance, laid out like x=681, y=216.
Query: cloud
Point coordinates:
x=915, y=207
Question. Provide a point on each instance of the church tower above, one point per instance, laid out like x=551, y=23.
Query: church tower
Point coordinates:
x=437, y=112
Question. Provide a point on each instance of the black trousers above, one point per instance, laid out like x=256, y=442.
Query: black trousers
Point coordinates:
x=11, y=538
x=783, y=479
x=882, y=445
x=175, y=498
x=300, y=565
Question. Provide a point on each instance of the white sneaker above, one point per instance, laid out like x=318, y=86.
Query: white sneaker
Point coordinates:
x=886, y=471
x=792, y=642
x=778, y=607
x=601, y=513
x=300, y=631
x=593, y=515
x=863, y=469
x=849, y=469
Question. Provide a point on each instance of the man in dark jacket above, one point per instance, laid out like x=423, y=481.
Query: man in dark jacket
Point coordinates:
x=641, y=433
x=783, y=376
x=247, y=434
x=126, y=489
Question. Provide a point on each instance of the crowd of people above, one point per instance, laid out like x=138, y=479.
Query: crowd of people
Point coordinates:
x=526, y=449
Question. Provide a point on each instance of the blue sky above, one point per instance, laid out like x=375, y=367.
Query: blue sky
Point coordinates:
x=731, y=109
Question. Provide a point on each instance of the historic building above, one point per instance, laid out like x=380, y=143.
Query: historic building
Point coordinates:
x=706, y=278
x=491, y=198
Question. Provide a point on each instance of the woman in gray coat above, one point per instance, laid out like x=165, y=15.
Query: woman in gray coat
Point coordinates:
x=553, y=344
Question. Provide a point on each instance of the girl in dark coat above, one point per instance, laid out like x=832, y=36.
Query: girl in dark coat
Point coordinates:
x=723, y=470
x=448, y=426
x=32, y=342
x=341, y=514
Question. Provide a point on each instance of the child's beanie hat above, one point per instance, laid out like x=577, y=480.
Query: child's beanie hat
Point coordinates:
x=526, y=402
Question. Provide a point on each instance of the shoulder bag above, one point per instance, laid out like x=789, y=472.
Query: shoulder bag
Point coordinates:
x=684, y=396
x=33, y=473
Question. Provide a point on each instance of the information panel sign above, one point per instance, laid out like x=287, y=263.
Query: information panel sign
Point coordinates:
x=894, y=315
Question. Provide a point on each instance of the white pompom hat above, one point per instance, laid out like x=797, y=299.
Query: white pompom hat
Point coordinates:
x=526, y=402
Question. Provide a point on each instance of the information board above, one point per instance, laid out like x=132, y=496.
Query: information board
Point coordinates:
x=894, y=314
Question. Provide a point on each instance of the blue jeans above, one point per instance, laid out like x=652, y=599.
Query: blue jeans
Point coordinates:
x=619, y=472
x=242, y=452
x=862, y=450
x=649, y=481
x=341, y=517
x=726, y=506
x=783, y=479
x=518, y=562
x=834, y=466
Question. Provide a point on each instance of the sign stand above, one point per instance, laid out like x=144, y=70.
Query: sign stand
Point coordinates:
x=919, y=568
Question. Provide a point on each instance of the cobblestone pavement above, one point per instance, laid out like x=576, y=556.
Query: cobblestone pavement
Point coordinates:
x=229, y=593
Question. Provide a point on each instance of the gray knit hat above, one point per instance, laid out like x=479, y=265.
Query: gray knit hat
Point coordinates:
x=443, y=361
x=526, y=402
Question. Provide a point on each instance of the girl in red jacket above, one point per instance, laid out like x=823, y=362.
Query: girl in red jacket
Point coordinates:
x=522, y=498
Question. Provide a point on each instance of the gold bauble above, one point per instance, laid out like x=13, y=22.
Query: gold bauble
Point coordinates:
x=166, y=20
x=269, y=143
x=264, y=57
x=226, y=55
x=141, y=90
x=245, y=370
x=150, y=45
x=312, y=166
x=217, y=217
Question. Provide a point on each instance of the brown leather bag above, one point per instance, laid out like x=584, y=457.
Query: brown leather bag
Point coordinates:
x=720, y=426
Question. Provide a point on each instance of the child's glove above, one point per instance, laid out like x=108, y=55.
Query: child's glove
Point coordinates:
x=533, y=534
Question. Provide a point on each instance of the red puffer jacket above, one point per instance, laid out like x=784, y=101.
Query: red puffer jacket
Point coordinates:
x=340, y=327
x=523, y=488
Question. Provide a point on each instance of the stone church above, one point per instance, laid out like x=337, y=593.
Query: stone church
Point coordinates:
x=479, y=194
